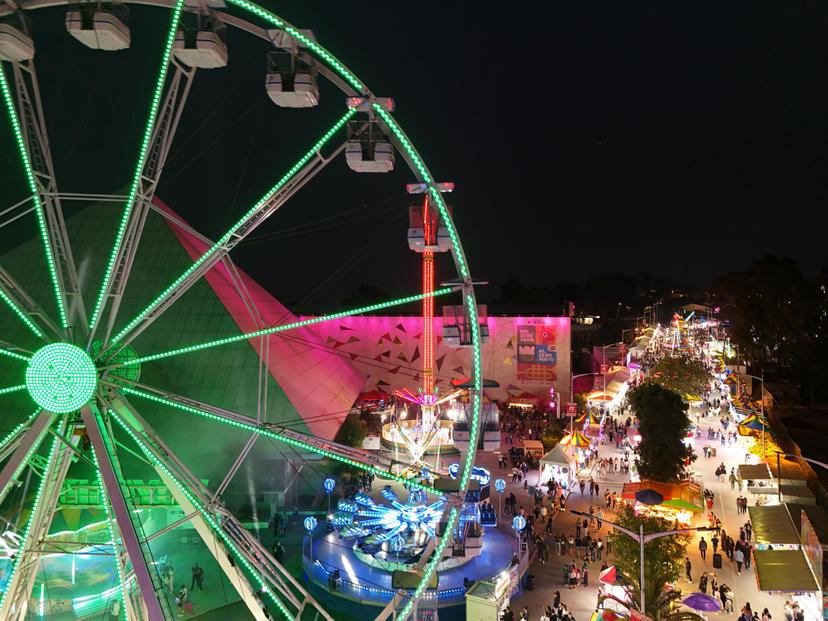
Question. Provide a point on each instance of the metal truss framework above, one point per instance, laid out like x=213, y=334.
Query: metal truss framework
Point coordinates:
x=163, y=133
x=41, y=176
x=262, y=583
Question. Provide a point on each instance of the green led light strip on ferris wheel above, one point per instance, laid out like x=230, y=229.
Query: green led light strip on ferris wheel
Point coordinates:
x=275, y=436
x=419, y=164
x=313, y=152
x=10, y=436
x=27, y=531
x=41, y=217
x=14, y=354
x=206, y=515
x=139, y=167
x=23, y=317
x=109, y=525
x=306, y=41
x=283, y=327
x=11, y=389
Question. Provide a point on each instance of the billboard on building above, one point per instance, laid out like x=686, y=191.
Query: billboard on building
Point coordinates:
x=537, y=352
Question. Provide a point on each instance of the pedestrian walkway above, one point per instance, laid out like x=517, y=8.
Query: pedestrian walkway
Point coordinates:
x=583, y=600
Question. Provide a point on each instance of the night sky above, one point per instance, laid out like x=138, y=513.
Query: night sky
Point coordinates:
x=681, y=139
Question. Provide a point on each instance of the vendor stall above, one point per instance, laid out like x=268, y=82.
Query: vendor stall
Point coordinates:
x=524, y=400
x=577, y=445
x=532, y=449
x=558, y=465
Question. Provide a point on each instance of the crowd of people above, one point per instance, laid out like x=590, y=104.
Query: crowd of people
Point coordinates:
x=581, y=550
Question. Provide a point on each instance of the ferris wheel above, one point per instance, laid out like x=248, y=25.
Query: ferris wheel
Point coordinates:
x=80, y=360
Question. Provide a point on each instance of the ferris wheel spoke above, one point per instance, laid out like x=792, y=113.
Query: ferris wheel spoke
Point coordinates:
x=284, y=327
x=126, y=237
x=23, y=573
x=216, y=526
x=113, y=530
x=162, y=134
x=24, y=306
x=128, y=523
x=33, y=146
x=301, y=173
x=376, y=464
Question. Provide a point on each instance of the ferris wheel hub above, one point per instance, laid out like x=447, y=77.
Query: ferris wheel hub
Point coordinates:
x=61, y=377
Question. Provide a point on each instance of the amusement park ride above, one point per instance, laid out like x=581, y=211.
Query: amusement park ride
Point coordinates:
x=82, y=361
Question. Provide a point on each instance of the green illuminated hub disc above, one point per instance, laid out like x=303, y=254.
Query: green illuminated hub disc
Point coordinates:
x=61, y=378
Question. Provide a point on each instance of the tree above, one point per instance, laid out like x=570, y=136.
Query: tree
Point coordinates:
x=581, y=402
x=681, y=373
x=771, y=306
x=663, y=563
x=352, y=431
x=663, y=425
x=552, y=435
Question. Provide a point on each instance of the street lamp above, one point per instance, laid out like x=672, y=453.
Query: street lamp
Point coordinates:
x=572, y=398
x=643, y=539
x=500, y=486
x=761, y=406
x=310, y=525
x=623, y=332
x=518, y=523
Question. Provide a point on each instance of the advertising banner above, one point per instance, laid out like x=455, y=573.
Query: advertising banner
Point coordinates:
x=537, y=353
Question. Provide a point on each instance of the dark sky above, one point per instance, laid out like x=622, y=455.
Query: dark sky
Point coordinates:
x=683, y=139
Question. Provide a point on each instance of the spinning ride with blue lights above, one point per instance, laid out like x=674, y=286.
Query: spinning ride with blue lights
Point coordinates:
x=407, y=526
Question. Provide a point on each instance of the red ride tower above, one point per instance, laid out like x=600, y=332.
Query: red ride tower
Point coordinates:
x=427, y=235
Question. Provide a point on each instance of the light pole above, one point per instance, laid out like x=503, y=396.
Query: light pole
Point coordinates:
x=761, y=406
x=572, y=398
x=623, y=332
x=500, y=486
x=310, y=525
x=643, y=539
x=518, y=523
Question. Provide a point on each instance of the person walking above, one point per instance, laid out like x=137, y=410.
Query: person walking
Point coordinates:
x=703, y=583
x=688, y=568
x=739, y=557
x=715, y=541
x=703, y=549
x=194, y=570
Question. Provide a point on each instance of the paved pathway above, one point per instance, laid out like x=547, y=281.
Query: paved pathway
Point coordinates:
x=582, y=601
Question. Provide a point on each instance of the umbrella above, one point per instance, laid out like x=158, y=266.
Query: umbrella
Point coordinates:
x=576, y=439
x=607, y=615
x=608, y=575
x=702, y=601
x=649, y=497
